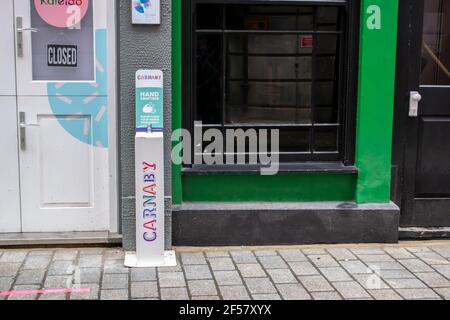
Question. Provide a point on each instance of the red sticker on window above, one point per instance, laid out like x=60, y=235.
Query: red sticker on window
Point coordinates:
x=306, y=41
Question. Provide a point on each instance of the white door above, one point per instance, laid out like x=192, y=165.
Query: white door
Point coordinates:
x=62, y=115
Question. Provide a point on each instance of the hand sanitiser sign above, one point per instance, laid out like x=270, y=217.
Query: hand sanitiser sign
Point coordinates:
x=149, y=100
x=146, y=11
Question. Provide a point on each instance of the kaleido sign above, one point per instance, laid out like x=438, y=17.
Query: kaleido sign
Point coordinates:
x=62, y=13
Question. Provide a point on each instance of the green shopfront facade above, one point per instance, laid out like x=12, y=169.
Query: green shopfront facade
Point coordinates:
x=311, y=200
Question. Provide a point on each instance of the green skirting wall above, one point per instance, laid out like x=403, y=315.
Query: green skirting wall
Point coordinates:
x=378, y=38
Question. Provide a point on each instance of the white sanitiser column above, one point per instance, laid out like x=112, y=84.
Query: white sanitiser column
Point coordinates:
x=149, y=166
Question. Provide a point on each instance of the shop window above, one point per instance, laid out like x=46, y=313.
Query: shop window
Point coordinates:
x=285, y=67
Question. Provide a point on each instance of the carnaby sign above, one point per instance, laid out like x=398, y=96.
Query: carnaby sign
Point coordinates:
x=62, y=13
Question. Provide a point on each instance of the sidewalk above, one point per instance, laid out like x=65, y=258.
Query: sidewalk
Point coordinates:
x=412, y=270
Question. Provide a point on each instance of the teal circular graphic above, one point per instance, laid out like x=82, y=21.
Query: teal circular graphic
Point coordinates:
x=82, y=108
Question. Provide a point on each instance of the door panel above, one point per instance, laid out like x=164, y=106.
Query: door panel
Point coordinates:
x=9, y=169
x=7, y=63
x=64, y=181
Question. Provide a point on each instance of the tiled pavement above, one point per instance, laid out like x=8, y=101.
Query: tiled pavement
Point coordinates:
x=407, y=271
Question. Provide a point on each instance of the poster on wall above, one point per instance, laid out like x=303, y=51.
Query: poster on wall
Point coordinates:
x=146, y=11
x=63, y=47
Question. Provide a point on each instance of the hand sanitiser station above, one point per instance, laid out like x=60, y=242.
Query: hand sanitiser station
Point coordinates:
x=149, y=143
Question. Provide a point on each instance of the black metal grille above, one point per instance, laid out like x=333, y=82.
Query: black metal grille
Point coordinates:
x=274, y=67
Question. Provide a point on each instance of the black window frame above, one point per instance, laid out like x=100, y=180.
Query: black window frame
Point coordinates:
x=348, y=81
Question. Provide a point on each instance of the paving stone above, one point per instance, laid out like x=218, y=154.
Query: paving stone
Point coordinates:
x=324, y=260
x=193, y=258
x=292, y=255
x=197, y=272
x=303, y=268
x=92, y=251
x=115, y=266
x=386, y=294
x=174, y=294
x=376, y=258
x=341, y=254
x=395, y=274
x=265, y=253
x=443, y=269
x=143, y=274
x=205, y=298
x=371, y=281
x=53, y=297
x=272, y=262
x=177, y=268
x=61, y=267
x=418, y=294
x=406, y=283
x=90, y=261
x=36, y=262
x=171, y=280
x=91, y=295
x=38, y=253
x=65, y=254
x=221, y=264
x=8, y=269
x=115, y=281
x=243, y=257
x=251, y=270
x=25, y=297
x=58, y=282
x=114, y=254
x=387, y=265
x=443, y=292
x=114, y=295
x=313, y=251
x=360, y=251
x=87, y=275
x=335, y=274
x=399, y=253
x=13, y=256
x=30, y=277
x=202, y=287
x=351, y=290
x=418, y=249
x=227, y=278
x=355, y=267
x=234, y=293
x=443, y=251
x=327, y=295
x=293, y=292
x=144, y=289
x=433, y=279
x=6, y=283
x=217, y=254
x=432, y=258
x=260, y=285
x=266, y=297
x=315, y=283
x=415, y=265
x=281, y=276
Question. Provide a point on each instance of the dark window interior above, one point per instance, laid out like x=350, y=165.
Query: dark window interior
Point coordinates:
x=272, y=66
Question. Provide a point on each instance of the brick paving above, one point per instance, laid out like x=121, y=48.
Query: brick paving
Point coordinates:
x=405, y=271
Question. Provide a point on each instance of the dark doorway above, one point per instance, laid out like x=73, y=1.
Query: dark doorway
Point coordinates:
x=422, y=140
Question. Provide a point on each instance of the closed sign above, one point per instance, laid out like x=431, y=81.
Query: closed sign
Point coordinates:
x=62, y=55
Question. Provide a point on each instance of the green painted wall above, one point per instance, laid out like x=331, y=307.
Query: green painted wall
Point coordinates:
x=282, y=187
x=374, y=131
x=376, y=101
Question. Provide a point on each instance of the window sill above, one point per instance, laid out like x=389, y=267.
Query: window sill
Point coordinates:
x=304, y=167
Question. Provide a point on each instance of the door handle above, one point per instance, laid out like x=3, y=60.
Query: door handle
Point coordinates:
x=414, y=99
x=19, y=35
x=23, y=132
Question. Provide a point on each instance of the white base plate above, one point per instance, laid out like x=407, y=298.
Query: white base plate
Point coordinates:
x=170, y=260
